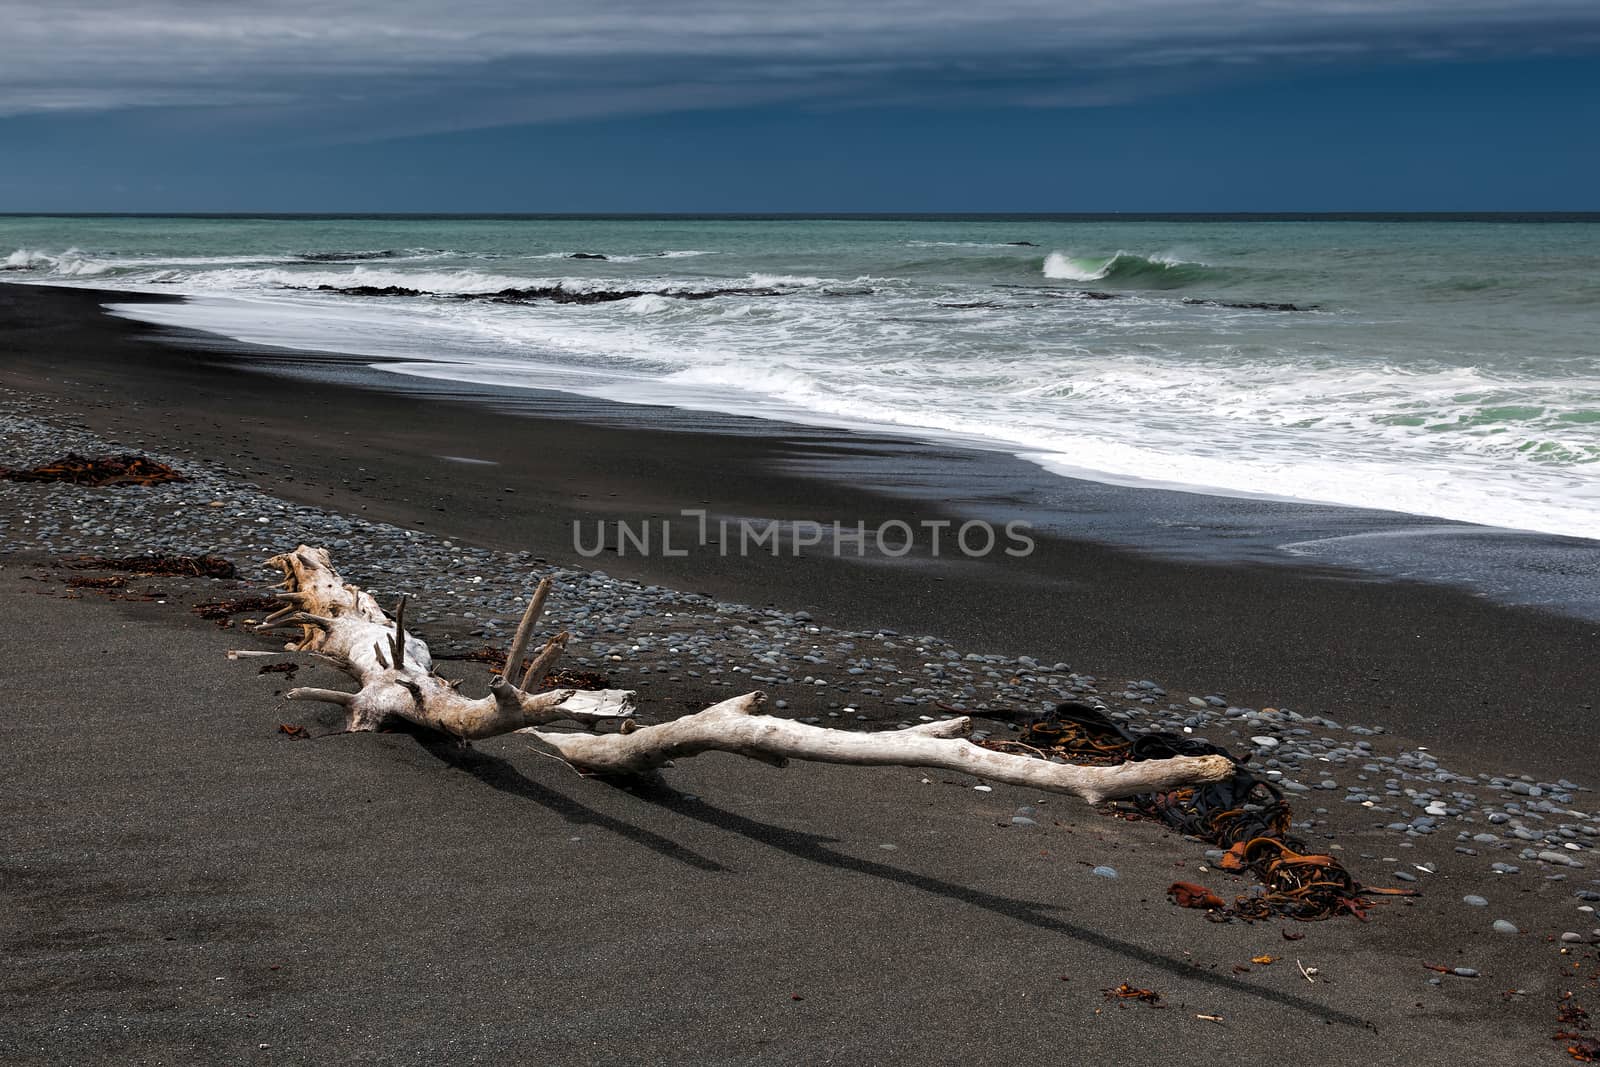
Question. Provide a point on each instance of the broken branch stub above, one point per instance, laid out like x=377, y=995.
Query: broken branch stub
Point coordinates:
x=519, y=643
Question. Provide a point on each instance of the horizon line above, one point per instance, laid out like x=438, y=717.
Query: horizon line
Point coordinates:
x=858, y=216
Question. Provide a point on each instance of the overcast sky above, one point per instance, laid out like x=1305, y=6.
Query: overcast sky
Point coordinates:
x=1003, y=105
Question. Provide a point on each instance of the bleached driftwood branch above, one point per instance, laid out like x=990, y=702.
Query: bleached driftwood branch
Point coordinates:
x=394, y=669
x=737, y=726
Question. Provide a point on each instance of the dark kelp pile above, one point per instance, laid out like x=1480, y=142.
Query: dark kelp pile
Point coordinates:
x=74, y=469
x=1245, y=815
x=179, y=566
x=1576, y=1031
x=565, y=678
x=222, y=610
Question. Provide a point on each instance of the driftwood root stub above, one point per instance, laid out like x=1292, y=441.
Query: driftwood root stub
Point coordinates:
x=393, y=670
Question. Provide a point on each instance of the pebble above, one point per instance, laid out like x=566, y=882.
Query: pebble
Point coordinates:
x=1464, y=972
x=1503, y=927
x=1104, y=872
x=1572, y=938
x=1473, y=900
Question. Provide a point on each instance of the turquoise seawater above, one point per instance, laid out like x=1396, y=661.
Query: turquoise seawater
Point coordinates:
x=1449, y=369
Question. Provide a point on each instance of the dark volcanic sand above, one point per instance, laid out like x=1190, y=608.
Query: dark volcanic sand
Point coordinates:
x=186, y=885
x=1515, y=686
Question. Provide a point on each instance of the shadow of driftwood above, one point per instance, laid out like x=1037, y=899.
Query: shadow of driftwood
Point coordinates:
x=812, y=848
x=815, y=849
x=503, y=775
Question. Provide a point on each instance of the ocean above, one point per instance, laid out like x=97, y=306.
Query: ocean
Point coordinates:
x=1448, y=369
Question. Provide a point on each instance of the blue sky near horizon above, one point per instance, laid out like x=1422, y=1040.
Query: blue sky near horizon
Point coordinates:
x=1192, y=106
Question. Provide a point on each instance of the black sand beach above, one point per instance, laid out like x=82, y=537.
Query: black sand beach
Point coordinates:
x=189, y=886
x=192, y=886
x=1450, y=669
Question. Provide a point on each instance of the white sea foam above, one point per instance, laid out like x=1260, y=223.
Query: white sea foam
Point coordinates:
x=1141, y=389
x=787, y=281
x=622, y=257
x=651, y=304
x=73, y=263
x=27, y=257
x=76, y=263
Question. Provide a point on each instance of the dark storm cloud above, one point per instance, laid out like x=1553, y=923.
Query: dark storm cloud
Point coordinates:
x=392, y=67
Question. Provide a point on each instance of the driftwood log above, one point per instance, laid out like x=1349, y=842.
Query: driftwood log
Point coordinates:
x=395, y=678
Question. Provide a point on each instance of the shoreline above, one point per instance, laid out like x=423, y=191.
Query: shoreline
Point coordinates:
x=982, y=479
x=874, y=888
x=1523, y=566
x=1440, y=664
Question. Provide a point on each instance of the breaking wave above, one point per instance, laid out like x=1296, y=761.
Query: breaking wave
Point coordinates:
x=1128, y=268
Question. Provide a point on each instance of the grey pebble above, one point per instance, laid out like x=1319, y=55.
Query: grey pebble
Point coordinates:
x=1104, y=872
